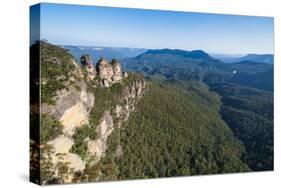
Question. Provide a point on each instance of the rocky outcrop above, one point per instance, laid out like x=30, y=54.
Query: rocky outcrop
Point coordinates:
x=72, y=108
x=73, y=105
x=86, y=61
x=117, y=72
x=98, y=146
x=108, y=73
x=61, y=155
x=129, y=98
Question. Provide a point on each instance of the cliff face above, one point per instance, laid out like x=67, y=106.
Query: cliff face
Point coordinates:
x=128, y=99
x=108, y=73
x=72, y=106
x=86, y=61
x=82, y=141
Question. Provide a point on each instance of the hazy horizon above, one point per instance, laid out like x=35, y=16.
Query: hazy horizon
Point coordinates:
x=210, y=53
x=81, y=25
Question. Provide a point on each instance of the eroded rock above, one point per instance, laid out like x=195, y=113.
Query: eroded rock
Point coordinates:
x=86, y=62
x=130, y=97
x=98, y=146
x=72, y=108
x=60, y=154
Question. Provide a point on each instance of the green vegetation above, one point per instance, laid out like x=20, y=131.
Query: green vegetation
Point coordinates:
x=176, y=130
x=46, y=166
x=80, y=146
x=107, y=168
x=132, y=77
x=55, y=69
x=263, y=80
x=108, y=165
x=197, y=90
x=50, y=128
x=173, y=134
x=183, y=65
x=249, y=113
x=106, y=98
x=181, y=126
x=49, y=90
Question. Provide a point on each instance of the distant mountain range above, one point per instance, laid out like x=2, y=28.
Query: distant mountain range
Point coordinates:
x=106, y=52
x=203, y=103
x=199, y=65
x=262, y=58
x=188, y=65
x=122, y=53
x=195, y=54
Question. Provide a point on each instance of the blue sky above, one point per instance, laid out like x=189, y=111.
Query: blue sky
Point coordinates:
x=119, y=27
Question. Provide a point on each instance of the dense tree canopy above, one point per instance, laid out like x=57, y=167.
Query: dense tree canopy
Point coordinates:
x=173, y=134
x=249, y=114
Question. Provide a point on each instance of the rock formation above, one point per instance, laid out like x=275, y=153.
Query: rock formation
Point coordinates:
x=108, y=73
x=86, y=61
x=72, y=108
x=73, y=105
x=129, y=98
x=117, y=73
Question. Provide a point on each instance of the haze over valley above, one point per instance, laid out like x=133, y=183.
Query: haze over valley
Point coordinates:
x=138, y=94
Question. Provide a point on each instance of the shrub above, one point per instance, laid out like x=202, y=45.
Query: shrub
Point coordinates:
x=50, y=128
x=80, y=146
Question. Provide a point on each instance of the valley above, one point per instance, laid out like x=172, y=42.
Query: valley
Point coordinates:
x=170, y=113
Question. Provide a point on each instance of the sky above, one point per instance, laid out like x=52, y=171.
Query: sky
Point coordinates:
x=153, y=29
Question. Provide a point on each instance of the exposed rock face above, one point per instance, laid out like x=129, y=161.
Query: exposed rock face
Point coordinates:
x=105, y=72
x=72, y=108
x=73, y=105
x=98, y=146
x=109, y=73
x=86, y=61
x=117, y=73
x=61, y=146
x=130, y=98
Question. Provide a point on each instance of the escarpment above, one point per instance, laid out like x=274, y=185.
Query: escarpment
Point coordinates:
x=87, y=103
x=107, y=73
x=128, y=99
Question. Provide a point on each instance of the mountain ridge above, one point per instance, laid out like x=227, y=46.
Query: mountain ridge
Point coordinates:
x=105, y=52
x=263, y=58
x=171, y=120
x=194, y=54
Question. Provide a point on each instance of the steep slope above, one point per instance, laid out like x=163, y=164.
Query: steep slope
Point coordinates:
x=174, y=133
x=185, y=118
x=263, y=80
x=249, y=113
x=79, y=112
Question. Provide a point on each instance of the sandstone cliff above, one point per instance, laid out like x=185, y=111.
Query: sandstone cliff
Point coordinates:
x=107, y=73
x=128, y=99
x=90, y=103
